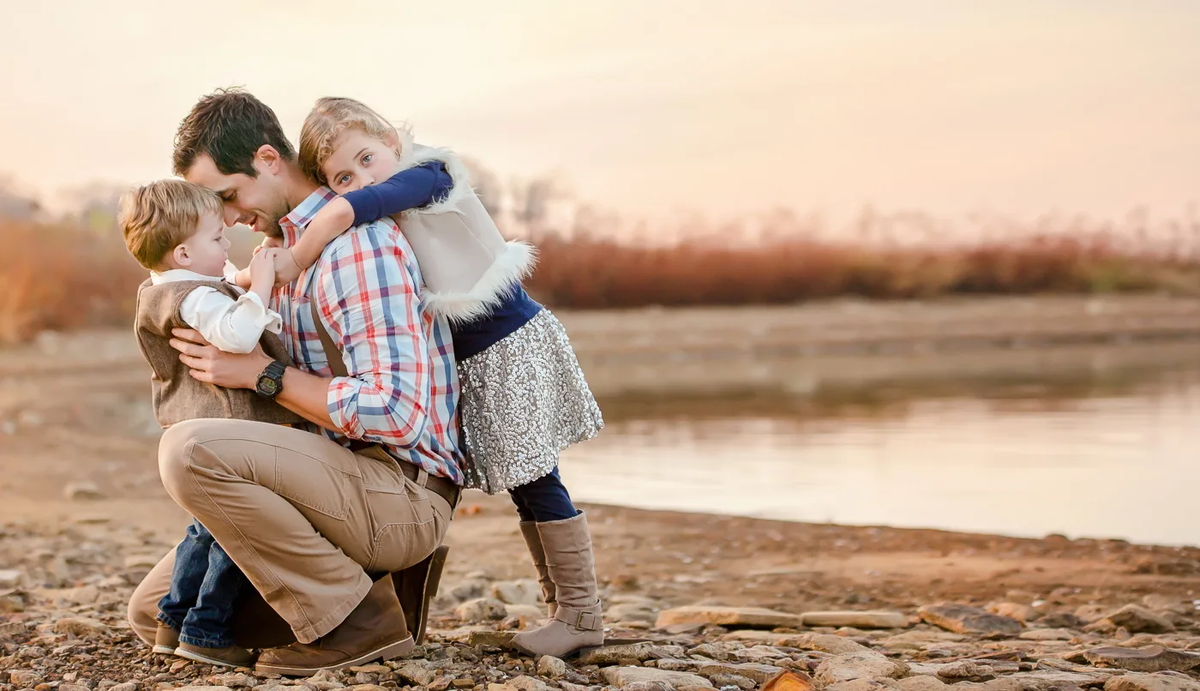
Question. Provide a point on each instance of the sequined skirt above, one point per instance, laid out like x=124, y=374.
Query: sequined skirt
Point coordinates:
x=524, y=400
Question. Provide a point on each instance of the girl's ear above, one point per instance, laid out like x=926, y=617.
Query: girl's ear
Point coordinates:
x=393, y=143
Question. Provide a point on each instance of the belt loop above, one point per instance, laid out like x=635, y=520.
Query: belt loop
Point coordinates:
x=422, y=477
x=382, y=454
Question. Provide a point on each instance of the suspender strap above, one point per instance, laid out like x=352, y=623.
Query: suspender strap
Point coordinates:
x=440, y=486
x=332, y=353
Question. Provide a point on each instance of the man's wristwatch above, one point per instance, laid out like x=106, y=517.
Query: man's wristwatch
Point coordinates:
x=270, y=382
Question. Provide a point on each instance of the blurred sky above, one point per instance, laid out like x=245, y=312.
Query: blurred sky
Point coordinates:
x=651, y=106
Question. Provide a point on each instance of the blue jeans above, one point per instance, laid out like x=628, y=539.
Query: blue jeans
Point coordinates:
x=205, y=587
x=544, y=499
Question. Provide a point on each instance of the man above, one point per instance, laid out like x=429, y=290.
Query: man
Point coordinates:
x=309, y=518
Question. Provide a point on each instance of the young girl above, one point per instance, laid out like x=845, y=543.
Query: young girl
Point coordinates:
x=524, y=397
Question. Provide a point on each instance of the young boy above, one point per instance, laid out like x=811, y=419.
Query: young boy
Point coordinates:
x=175, y=229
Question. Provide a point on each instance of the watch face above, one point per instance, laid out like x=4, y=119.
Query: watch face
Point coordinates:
x=267, y=386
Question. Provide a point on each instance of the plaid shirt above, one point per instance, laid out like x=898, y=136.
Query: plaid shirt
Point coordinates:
x=402, y=391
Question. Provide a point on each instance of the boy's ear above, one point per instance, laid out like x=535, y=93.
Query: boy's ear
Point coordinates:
x=180, y=256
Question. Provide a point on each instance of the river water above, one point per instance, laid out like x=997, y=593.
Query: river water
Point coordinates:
x=1094, y=452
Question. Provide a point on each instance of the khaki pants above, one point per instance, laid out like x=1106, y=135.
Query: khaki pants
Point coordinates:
x=304, y=518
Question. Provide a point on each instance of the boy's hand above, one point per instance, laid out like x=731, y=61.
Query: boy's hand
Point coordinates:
x=286, y=268
x=242, y=279
x=269, y=243
x=262, y=272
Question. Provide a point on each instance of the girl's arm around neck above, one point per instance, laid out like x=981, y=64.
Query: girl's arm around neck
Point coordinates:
x=411, y=188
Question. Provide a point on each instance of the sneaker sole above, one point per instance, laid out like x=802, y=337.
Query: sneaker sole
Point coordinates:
x=163, y=650
x=386, y=652
x=196, y=657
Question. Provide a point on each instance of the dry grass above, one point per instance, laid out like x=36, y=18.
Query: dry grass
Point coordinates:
x=57, y=277
x=595, y=274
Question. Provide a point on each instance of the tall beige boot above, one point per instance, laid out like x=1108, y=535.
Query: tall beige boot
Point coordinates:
x=577, y=621
x=533, y=541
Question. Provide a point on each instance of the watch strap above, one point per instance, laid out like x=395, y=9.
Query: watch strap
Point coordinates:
x=275, y=370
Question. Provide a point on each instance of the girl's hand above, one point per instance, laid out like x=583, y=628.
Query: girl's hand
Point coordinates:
x=286, y=268
x=268, y=243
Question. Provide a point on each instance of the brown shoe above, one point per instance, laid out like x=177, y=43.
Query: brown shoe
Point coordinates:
x=166, y=640
x=374, y=630
x=233, y=656
x=416, y=586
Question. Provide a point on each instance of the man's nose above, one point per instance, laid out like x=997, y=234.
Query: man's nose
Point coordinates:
x=230, y=216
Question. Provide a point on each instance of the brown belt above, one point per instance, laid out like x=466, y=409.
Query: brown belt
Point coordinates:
x=440, y=486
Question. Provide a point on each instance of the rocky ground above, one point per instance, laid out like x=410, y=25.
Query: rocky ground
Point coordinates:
x=729, y=603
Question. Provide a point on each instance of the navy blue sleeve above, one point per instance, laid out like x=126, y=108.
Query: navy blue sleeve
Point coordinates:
x=409, y=189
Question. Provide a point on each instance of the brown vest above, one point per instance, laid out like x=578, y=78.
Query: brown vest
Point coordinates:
x=177, y=396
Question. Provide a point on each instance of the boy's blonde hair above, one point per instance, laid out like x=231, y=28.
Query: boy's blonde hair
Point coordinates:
x=158, y=217
x=329, y=118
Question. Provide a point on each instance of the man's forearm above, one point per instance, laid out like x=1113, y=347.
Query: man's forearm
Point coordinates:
x=306, y=395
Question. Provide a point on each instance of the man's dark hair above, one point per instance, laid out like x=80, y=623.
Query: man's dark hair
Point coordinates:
x=229, y=126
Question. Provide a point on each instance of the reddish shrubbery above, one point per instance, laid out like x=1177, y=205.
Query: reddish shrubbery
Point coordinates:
x=55, y=276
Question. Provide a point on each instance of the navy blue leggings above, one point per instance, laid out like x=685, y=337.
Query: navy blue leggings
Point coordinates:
x=544, y=499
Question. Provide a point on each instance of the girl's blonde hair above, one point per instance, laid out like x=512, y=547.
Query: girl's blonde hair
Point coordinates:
x=329, y=118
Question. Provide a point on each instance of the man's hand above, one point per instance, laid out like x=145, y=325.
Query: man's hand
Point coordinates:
x=213, y=366
x=286, y=268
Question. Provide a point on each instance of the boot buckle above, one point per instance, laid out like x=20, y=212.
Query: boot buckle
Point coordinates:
x=588, y=621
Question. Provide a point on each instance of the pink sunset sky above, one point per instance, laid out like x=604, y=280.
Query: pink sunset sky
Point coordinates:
x=1014, y=106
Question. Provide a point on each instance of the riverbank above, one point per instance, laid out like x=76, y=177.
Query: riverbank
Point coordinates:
x=793, y=349
x=84, y=516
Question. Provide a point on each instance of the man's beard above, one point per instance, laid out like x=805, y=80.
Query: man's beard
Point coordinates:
x=271, y=229
x=269, y=226
x=267, y=221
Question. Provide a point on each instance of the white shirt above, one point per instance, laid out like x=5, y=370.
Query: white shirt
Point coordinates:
x=234, y=326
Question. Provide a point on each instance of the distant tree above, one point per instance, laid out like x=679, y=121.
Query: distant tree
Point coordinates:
x=93, y=207
x=15, y=203
x=488, y=186
x=532, y=201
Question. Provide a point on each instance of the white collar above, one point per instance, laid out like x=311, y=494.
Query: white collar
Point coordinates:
x=172, y=275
